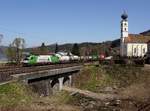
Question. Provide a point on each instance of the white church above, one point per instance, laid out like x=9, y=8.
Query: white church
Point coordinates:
x=132, y=45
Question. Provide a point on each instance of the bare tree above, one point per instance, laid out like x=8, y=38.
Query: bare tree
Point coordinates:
x=15, y=50
x=10, y=53
x=18, y=44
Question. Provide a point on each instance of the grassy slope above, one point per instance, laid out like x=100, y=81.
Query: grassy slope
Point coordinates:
x=95, y=78
x=13, y=94
x=17, y=97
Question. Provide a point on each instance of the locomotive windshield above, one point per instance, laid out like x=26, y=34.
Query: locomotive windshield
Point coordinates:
x=27, y=57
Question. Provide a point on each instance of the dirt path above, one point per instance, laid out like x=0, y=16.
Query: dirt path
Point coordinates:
x=97, y=96
x=146, y=67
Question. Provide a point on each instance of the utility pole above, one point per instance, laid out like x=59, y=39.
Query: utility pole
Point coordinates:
x=1, y=37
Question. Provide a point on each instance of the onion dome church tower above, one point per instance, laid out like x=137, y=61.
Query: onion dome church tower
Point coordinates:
x=132, y=45
x=124, y=32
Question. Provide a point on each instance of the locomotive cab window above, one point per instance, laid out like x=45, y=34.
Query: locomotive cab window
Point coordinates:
x=26, y=58
x=31, y=58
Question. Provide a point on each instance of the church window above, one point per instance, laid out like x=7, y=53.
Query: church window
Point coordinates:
x=125, y=29
x=144, y=50
x=125, y=24
x=134, y=50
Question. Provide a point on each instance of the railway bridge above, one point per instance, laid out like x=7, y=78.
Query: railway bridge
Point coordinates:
x=49, y=81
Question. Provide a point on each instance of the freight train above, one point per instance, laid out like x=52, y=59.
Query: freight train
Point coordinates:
x=60, y=57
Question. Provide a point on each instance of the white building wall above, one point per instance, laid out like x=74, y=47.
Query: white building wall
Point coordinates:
x=136, y=49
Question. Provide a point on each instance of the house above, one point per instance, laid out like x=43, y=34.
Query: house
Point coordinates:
x=132, y=45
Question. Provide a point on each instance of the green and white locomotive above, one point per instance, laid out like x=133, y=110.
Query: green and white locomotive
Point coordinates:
x=40, y=59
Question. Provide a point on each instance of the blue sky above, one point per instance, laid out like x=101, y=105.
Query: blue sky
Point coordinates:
x=64, y=21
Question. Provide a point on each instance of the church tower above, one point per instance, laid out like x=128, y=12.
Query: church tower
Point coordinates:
x=124, y=33
x=124, y=26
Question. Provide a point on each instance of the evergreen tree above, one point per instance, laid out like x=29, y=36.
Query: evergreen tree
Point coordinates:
x=43, y=49
x=75, y=49
x=94, y=52
x=56, y=48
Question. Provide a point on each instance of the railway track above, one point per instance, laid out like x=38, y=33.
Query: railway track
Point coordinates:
x=9, y=67
x=5, y=73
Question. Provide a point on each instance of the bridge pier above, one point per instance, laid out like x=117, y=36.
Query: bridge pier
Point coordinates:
x=70, y=80
x=60, y=83
x=48, y=87
x=43, y=88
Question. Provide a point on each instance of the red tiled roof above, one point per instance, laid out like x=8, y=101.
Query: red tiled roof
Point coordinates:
x=137, y=38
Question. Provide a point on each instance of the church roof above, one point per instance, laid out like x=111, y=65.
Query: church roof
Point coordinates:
x=137, y=38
